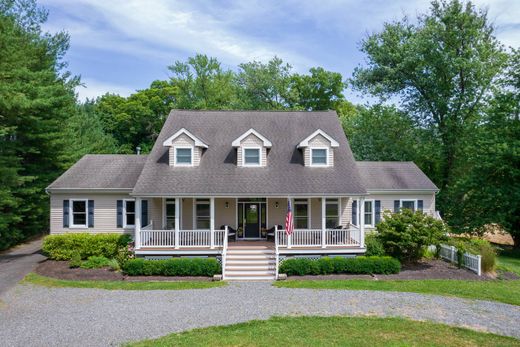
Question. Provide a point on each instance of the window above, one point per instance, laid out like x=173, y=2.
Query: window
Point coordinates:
x=301, y=214
x=331, y=213
x=79, y=213
x=251, y=156
x=183, y=156
x=409, y=204
x=369, y=212
x=319, y=156
x=202, y=214
x=128, y=213
x=170, y=214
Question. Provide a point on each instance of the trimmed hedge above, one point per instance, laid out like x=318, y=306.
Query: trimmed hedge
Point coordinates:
x=340, y=265
x=172, y=267
x=65, y=246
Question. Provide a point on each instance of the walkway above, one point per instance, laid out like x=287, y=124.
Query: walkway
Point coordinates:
x=38, y=316
x=18, y=262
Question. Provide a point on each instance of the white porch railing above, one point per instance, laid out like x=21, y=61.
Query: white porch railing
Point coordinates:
x=315, y=238
x=186, y=238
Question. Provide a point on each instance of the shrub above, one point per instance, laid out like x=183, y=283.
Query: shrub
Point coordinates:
x=113, y=264
x=63, y=247
x=406, y=234
x=95, y=262
x=373, y=245
x=75, y=261
x=337, y=265
x=172, y=267
x=475, y=246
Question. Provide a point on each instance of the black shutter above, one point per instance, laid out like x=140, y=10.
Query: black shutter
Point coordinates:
x=91, y=213
x=420, y=205
x=144, y=213
x=65, y=213
x=354, y=212
x=397, y=204
x=119, y=213
x=378, y=211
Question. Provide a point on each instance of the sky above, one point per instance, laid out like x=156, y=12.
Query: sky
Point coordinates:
x=122, y=46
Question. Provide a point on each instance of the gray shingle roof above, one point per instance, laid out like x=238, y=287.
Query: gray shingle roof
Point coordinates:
x=393, y=175
x=218, y=173
x=102, y=171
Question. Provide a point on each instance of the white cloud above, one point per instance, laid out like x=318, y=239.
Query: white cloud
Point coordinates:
x=91, y=89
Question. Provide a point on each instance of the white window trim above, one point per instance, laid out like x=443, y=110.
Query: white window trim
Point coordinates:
x=306, y=202
x=71, y=214
x=408, y=200
x=125, y=225
x=326, y=156
x=373, y=203
x=335, y=201
x=260, y=156
x=195, y=203
x=175, y=155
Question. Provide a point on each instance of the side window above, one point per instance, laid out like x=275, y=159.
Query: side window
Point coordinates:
x=331, y=213
x=301, y=214
x=129, y=213
x=202, y=214
x=170, y=214
x=369, y=213
x=79, y=213
x=319, y=156
x=183, y=156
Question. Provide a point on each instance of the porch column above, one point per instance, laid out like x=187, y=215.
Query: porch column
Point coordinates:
x=362, y=221
x=212, y=221
x=323, y=221
x=289, y=237
x=137, y=222
x=177, y=220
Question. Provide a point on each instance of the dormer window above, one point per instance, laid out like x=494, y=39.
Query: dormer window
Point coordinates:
x=252, y=156
x=319, y=156
x=183, y=156
x=185, y=149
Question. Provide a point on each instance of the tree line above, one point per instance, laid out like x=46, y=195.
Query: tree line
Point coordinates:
x=447, y=96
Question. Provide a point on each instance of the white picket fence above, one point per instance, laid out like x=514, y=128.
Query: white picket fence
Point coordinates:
x=470, y=261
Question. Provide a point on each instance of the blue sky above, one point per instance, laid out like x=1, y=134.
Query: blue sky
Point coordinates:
x=120, y=46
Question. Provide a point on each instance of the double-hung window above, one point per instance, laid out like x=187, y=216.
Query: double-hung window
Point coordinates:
x=79, y=213
x=301, y=214
x=409, y=204
x=183, y=156
x=331, y=213
x=170, y=214
x=129, y=213
x=319, y=156
x=369, y=213
x=202, y=214
x=252, y=157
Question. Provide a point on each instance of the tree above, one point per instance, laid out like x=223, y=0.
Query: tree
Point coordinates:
x=489, y=192
x=36, y=98
x=321, y=90
x=441, y=69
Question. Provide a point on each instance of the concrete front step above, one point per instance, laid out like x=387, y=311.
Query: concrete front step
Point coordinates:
x=250, y=268
x=250, y=272
x=250, y=262
x=250, y=256
x=250, y=278
x=250, y=251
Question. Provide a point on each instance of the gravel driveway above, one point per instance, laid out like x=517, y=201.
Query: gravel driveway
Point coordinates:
x=38, y=316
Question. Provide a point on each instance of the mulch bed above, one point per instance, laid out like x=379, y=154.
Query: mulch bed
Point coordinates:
x=61, y=270
x=426, y=269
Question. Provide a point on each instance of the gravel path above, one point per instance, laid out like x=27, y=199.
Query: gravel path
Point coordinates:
x=38, y=316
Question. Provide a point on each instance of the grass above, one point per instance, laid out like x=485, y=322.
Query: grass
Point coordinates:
x=120, y=285
x=332, y=331
x=496, y=290
x=509, y=260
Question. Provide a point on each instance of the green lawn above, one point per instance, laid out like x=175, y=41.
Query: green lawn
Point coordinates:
x=509, y=260
x=120, y=285
x=332, y=331
x=497, y=290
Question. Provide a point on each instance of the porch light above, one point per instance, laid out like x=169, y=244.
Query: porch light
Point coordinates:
x=227, y=204
x=276, y=204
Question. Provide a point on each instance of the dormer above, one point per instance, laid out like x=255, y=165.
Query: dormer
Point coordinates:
x=185, y=149
x=318, y=149
x=251, y=149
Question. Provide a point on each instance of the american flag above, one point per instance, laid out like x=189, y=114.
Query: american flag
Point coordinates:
x=289, y=227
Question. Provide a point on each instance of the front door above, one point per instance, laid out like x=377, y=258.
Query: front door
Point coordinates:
x=252, y=220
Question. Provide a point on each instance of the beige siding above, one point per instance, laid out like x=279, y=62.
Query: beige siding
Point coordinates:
x=318, y=141
x=187, y=214
x=345, y=212
x=155, y=207
x=105, y=213
x=276, y=215
x=251, y=141
x=223, y=215
x=315, y=213
x=185, y=140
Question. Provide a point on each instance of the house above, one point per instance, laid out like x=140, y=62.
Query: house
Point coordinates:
x=216, y=179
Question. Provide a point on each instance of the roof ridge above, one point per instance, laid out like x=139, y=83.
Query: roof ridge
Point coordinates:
x=251, y=111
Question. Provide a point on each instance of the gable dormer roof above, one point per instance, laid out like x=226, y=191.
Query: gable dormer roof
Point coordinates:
x=266, y=142
x=305, y=142
x=198, y=142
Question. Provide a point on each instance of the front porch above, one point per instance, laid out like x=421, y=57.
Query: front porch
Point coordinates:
x=201, y=226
